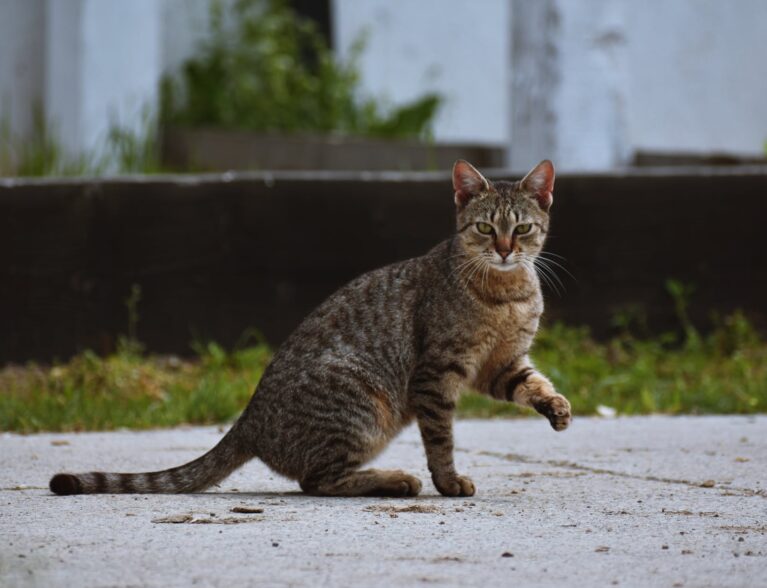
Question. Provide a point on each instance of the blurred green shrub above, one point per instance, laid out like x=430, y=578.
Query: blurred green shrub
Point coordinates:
x=264, y=68
x=40, y=154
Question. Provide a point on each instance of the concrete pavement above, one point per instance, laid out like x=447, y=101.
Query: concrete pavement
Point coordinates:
x=647, y=501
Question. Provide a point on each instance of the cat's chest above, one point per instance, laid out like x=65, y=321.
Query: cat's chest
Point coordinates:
x=505, y=336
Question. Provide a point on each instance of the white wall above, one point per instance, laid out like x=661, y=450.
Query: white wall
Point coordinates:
x=22, y=27
x=698, y=75
x=121, y=63
x=185, y=24
x=622, y=76
x=593, y=80
x=102, y=67
x=87, y=63
x=459, y=49
x=569, y=72
x=589, y=96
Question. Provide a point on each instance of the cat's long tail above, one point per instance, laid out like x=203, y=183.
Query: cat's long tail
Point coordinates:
x=228, y=455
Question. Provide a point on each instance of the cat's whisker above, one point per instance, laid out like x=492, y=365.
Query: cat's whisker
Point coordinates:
x=470, y=264
x=530, y=262
x=546, y=280
x=477, y=268
x=551, y=278
x=547, y=264
x=562, y=257
x=458, y=270
x=459, y=254
x=559, y=265
x=468, y=269
x=481, y=270
x=484, y=276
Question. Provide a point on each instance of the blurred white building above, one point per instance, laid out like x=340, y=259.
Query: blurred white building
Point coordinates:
x=585, y=82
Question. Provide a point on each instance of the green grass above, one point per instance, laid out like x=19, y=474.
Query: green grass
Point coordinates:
x=41, y=154
x=724, y=372
x=129, y=390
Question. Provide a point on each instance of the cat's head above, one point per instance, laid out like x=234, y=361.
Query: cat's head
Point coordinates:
x=503, y=224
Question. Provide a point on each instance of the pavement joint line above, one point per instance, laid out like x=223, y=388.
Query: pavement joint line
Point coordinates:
x=22, y=488
x=515, y=457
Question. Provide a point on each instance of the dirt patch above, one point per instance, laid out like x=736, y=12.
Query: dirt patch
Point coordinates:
x=175, y=519
x=745, y=492
x=549, y=474
x=417, y=508
x=247, y=509
x=227, y=521
x=447, y=558
x=689, y=513
x=741, y=529
x=190, y=519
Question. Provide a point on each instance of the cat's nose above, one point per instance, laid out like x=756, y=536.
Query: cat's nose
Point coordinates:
x=504, y=253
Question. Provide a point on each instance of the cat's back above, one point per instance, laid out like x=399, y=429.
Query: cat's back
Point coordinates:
x=368, y=326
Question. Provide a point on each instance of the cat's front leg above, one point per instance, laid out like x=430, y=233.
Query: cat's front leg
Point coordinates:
x=523, y=384
x=434, y=405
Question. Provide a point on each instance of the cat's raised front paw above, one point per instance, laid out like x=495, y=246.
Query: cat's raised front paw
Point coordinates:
x=455, y=485
x=556, y=408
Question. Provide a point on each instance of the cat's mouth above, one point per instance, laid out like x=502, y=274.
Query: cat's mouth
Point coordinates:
x=506, y=265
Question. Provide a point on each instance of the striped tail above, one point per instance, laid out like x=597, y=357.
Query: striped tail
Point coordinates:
x=228, y=455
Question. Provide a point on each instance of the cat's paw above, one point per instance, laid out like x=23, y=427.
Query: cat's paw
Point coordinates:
x=409, y=485
x=556, y=408
x=396, y=483
x=454, y=485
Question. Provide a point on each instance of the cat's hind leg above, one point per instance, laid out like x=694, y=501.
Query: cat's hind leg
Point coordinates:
x=331, y=466
x=371, y=482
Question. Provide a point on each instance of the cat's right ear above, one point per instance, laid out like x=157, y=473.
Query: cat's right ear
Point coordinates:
x=467, y=183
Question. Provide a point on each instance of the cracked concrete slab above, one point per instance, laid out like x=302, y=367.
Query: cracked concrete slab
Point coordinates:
x=647, y=501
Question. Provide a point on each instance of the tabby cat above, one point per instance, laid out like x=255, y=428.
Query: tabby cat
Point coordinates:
x=396, y=344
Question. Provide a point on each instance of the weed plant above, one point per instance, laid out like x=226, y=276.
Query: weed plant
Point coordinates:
x=722, y=372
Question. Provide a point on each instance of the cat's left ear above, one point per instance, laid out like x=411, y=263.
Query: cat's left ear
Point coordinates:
x=540, y=183
x=467, y=182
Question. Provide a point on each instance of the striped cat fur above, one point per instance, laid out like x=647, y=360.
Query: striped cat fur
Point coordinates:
x=396, y=344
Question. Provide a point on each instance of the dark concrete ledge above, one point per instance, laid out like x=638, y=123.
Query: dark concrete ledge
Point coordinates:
x=218, y=253
x=379, y=176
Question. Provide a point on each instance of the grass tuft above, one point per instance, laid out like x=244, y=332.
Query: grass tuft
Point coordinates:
x=129, y=390
x=724, y=372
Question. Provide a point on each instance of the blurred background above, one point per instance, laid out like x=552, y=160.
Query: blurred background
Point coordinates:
x=182, y=181
x=104, y=86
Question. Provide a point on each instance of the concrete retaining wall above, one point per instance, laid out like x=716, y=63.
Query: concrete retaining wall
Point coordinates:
x=215, y=255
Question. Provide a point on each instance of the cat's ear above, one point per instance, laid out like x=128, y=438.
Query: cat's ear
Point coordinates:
x=467, y=182
x=540, y=183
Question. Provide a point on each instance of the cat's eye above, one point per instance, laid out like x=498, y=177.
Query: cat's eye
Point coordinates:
x=484, y=228
x=523, y=229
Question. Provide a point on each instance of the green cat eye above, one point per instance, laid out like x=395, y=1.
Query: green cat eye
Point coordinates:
x=484, y=228
x=523, y=229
